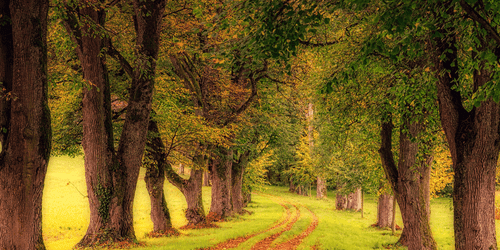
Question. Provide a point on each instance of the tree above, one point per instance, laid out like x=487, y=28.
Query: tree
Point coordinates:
x=112, y=175
x=464, y=57
x=25, y=122
x=156, y=162
x=471, y=133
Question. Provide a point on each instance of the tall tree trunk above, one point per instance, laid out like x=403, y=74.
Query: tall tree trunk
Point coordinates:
x=102, y=177
x=472, y=137
x=112, y=178
x=385, y=210
x=25, y=120
x=156, y=160
x=148, y=16
x=407, y=185
x=221, y=168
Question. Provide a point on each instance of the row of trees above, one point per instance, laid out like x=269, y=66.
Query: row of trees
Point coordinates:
x=320, y=90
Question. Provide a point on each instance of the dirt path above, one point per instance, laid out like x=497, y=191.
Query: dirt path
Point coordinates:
x=265, y=243
x=286, y=224
x=293, y=243
x=233, y=243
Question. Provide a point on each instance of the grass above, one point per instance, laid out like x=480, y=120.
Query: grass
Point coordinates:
x=66, y=217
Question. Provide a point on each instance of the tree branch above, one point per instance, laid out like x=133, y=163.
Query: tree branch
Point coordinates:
x=114, y=53
x=310, y=44
x=478, y=18
x=386, y=153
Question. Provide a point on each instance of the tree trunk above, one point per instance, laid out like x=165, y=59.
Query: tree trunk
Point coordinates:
x=385, y=210
x=156, y=160
x=320, y=187
x=25, y=120
x=191, y=189
x=292, y=188
x=102, y=177
x=181, y=168
x=206, y=178
x=112, y=178
x=354, y=201
x=408, y=182
x=148, y=16
x=472, y=137
x=341, y=201
x=195, y=213
x=238, y=169
x=221, y=168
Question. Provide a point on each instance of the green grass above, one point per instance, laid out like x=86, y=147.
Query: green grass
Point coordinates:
x=66, y=217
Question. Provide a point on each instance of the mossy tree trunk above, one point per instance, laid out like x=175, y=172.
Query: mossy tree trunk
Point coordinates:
x=354, y=200
x=340, y=201
x=25, y=135
x=148, y=16
x=112, y=176
x=101, y=174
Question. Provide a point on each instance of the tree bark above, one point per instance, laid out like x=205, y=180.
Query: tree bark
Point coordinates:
x=238, y=170
x=320, y=187
x=156, y=160
x=472, y=137
x=101, y=175
x=112, y=177
x=220, y=169
x=191, y=189
x=25, y=120
x=354, y=201
x=148, y=16
x=341, y=201
x=292, y=188
x=385, y=210
x=206, y=178
x=408, y=182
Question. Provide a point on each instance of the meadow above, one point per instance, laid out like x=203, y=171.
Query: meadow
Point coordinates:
x=66, y=216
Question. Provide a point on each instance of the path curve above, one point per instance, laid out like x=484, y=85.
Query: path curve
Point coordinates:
x=287, y=224
x=295, y=242
x=265, y=243
x=233, y=243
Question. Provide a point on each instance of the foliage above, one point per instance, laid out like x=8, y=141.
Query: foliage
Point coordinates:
x=302, y=171
x=441, y=174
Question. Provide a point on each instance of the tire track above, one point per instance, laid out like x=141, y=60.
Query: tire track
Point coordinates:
x=295, y=242
x=265, y=243
x=233, y=243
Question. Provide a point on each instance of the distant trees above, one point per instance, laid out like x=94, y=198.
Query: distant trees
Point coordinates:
x=25, y=131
